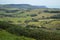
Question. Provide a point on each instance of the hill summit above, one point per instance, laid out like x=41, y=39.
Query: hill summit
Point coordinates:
x=22, y=6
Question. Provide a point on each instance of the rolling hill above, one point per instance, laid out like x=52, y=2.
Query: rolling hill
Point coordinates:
x=29, y=22
x=22, y=6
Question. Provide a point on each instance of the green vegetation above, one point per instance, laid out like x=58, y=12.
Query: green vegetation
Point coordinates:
x=38, y=34
x=29, y=24
x=4, y=35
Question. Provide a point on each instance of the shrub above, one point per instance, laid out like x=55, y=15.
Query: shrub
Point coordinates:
x=33, y=15
x=39, y=34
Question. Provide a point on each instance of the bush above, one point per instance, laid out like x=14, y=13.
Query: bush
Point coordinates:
x=33, y=15
x=39, y=34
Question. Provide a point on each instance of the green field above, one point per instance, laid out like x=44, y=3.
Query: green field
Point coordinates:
x=29, y=24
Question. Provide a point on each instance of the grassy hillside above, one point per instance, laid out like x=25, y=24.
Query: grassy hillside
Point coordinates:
x=4, y=35
x=37, y=17
x=24, y=32
x=29, y=24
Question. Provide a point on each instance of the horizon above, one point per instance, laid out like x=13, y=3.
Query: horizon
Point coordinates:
x=47, y=3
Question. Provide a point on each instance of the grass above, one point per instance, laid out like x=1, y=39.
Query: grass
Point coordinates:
x=4, y=35
x=53, y=24
x=23, y=15
x=15, y=20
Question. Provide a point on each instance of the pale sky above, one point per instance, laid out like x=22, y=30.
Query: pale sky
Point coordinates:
x=48, y=3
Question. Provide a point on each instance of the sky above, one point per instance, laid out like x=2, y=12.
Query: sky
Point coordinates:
x=48, y=3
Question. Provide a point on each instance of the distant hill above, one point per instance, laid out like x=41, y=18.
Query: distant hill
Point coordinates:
x=22, y=6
